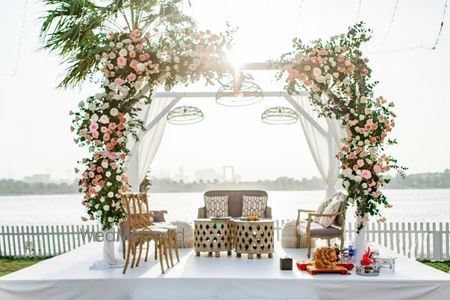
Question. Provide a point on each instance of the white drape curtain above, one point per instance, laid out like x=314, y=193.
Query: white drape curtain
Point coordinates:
x=323, y=147
x=144, y=151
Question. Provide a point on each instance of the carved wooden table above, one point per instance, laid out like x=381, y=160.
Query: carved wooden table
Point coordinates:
x=253, y=237
x=213, y=236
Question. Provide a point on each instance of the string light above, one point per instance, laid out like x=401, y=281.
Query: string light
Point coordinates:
x=390, y=25
x=299, y=14
x=359, y=11
x=21, y=33
x=436, y=42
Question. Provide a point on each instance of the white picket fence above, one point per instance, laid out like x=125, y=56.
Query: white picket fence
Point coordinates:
x=414, y=240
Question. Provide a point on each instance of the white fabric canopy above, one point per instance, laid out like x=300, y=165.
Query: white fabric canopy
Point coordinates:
x=323, y=147
x=144, y=151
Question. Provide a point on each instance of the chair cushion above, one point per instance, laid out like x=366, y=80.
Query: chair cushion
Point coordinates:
x=158, y=216
x=332, y=208
x=216, y=206
x=254, y=206
x=318, y=230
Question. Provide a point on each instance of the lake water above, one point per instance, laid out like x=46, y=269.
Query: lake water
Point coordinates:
x=409, y=206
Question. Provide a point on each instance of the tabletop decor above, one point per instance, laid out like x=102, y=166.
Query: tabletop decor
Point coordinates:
x=325, y=261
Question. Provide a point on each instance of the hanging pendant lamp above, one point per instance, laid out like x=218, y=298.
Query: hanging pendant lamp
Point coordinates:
x=241, y=91
x=185, y=115
x=279, y=116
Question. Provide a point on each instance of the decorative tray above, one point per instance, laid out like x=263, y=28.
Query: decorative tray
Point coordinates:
x=302, y=265
x=220, y=218
x=368, y=270
x=250, y=218
x=339, y=270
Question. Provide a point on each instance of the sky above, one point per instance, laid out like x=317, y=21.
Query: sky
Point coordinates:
x=34, y=119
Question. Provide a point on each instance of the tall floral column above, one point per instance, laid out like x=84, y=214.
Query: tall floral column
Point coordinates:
x=337, y=71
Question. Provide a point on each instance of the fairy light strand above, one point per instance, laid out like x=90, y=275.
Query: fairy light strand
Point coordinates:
x=359, y=11
x=19, y=46
x=390, y=25
x=436, y=42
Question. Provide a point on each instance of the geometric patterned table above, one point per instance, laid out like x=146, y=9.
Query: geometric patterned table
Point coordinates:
x=213, y=236
x=253, y=237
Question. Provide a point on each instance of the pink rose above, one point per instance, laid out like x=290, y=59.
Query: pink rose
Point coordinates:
x=94, y=135
x=377, y=169
x=118, y=81
x=352, y=155
x=123, y=52
x=131, y=77
x=292, y=74
x=366, y=174
x=132, y=54
x=106, y=137
x=360, y=163
x=93, y=127
x=121, y=62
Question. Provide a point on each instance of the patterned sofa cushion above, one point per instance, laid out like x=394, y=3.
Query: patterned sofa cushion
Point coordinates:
x=332, y=208
x=216, y=206
x=254, y=206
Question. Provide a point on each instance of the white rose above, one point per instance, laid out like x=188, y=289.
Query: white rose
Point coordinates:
x=98, y=188
x=81, y=104
x=140, y=66
x=114, y=112
x=96, y=206
x=106, y=207
x=110, y=194
x=99, y=213
x=361, y=143
x=361, y=117
x=366, y=192
x=102, y=199
x=118, y=177
x=94, y=118
x=104, y=164
x=104, y=119
x=364, y=185
x=108, y=173
x=176, y=59
x=347, y=172
x=110, y=219
x=104, y=105
x=317, y=72
x=357, y=178
x=346, y=184
x=108, y=184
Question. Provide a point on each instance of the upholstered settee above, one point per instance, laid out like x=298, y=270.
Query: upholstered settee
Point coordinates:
x=235, y=202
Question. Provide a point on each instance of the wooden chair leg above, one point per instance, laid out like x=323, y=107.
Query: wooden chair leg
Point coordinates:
x=170, y=243
x=342, y=242
x=160, y=255
x=140, y=253
x=133, y=250
x=297, y=241
x=127, y=259
x=165, y=251
x=156, y=251
x=175, y=244
x=146, y=251
x=308, y=245
x=329, y=242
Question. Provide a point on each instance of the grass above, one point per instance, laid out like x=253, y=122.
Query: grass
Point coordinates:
x=9, y=265
x=442, y=266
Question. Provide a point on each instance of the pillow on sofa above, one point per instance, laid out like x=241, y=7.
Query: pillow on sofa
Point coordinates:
x=254, y=206
x=332, y=208
x=216, y=206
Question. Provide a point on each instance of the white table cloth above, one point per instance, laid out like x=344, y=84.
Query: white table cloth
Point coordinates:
x=228, y=277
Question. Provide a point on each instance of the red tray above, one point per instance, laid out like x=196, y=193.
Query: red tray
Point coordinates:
x=339, y=270
x=301, y=265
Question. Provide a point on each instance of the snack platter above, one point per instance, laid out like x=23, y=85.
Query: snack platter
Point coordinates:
x=301, y=265
x=339, y=270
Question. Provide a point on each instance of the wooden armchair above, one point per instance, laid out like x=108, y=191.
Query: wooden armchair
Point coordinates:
x=314, y=227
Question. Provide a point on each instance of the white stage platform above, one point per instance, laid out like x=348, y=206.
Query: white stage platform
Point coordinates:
x=68, y=277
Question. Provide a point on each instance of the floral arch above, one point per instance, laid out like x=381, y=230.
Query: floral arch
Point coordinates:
x=133, y=63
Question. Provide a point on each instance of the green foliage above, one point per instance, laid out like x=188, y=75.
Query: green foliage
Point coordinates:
x=76, y=29
x=9, y=265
